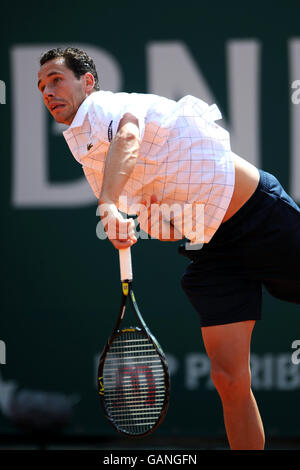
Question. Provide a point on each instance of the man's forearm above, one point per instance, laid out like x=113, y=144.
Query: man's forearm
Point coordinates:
x=120, y=162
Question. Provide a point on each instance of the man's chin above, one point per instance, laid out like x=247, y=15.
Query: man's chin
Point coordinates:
x=60, y=119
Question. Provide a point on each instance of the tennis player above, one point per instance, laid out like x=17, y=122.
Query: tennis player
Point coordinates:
x=147, y=149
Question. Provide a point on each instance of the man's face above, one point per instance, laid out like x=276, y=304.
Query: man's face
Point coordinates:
x=62, y=92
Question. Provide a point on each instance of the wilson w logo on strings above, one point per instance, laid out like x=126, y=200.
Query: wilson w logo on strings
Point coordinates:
x=138, y=381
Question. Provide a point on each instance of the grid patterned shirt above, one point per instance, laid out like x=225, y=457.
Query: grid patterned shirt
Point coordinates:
x=184, y=157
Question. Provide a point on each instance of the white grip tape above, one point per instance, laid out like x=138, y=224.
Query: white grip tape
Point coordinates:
x=125, y=264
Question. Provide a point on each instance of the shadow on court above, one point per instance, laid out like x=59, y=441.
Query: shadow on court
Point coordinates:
x=31, y=442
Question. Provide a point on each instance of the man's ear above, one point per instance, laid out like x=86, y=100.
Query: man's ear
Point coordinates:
x=89, y=82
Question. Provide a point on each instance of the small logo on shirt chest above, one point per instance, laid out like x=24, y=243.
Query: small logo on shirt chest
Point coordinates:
x=110, y=132
x=89, y=146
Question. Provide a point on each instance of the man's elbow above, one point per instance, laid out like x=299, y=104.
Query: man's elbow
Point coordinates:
x=128, y=129
x=128, y=134
x=127, y=141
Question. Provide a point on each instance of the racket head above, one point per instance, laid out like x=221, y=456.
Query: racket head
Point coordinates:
x=133, y=382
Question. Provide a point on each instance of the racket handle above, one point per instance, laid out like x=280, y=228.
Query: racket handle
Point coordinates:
x=125, y=264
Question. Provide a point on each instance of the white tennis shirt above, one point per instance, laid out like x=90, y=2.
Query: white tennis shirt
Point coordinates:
x=184, y=158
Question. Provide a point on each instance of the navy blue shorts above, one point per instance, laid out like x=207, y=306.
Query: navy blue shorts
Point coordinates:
x=258, y=246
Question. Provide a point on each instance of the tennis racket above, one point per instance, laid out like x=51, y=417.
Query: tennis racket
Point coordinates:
x=133, y=377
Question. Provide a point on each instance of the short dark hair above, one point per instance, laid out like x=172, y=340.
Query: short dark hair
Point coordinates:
x=75, y=59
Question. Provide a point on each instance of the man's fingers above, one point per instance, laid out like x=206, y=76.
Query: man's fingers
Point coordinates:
x=151, y=218
x=126, y=229
x=119, y=245
x=120, y=229
x=153, y=199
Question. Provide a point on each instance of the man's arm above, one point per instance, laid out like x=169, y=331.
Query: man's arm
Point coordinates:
x=120, y=162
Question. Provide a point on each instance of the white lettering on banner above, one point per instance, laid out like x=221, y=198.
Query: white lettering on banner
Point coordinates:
x=173, y=363
x=197, y=367
x=262, y=371
x=168, y=79
x=296, y=354
x=2, y=352
x=296, y=94
x=269, y=372
x=287, y=373
x=244, y=77
x=294, y=73
x=2, y=92
x=30, y=185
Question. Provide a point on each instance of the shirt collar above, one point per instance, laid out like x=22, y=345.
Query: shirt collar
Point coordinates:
x=81, y=113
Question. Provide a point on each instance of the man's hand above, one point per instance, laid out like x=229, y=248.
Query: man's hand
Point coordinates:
x=153, y=222
x=120, y=231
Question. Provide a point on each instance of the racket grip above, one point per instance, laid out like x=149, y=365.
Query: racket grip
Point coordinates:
x=125, y=264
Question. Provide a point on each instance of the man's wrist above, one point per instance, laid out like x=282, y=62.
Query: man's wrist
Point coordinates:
x=108, y=209
x=103, y=199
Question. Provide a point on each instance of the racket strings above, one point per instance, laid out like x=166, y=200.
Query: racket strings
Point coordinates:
x=134, y=382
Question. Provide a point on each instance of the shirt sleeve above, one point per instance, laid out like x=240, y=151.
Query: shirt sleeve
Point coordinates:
x=133, y=104
x=111, y=107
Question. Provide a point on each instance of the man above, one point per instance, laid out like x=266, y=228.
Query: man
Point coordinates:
x=154, y=150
